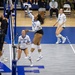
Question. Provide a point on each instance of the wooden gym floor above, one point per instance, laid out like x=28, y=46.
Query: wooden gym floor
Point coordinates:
x=26, y=21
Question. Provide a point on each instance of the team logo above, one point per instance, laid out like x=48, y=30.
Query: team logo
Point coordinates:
x=21, y=70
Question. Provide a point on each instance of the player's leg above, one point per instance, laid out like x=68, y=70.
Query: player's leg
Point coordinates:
x=56, y=10
x=1, y=45
x=39, y=37
x=33, y=46
x=34, y=43
x=51, y=12
x=58, y=38
x=19, y=51
x=28, y=56
x=58, y=35
x=3, y=57
x=26, y=52
x=1, y=52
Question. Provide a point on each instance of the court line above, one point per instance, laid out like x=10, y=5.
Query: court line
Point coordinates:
x=70, y=44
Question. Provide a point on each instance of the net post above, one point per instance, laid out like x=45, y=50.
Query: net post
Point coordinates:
x=14, y=61
x=15, y=20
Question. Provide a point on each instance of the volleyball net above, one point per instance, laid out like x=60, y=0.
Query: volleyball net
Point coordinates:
x=11, y=33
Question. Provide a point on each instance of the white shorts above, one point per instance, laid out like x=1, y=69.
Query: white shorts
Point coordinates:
x=60, y=24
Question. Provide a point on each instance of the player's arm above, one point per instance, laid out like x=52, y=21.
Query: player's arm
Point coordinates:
x=28, y=40
x=38, y=27
x=18, y=43
x=30, y=31
x=29, y=14
x=55, y=23
x=9, y=12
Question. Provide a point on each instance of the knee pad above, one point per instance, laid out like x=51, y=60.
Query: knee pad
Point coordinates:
x=59, y=35
x=33, y=46
x=38, y=46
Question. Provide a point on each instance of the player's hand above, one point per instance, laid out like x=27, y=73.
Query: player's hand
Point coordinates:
x=26, y=6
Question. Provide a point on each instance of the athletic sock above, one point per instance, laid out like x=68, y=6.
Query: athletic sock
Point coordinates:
x=60, y=36
x=39, y=54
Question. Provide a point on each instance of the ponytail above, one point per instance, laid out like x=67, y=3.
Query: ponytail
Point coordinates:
x=40, y=19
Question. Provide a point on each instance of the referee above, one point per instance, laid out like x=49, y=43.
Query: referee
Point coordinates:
x=3, y=28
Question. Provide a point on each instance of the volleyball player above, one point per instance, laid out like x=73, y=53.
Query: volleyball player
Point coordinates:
x=37, y=21
x=23, y=42
x=60, y=27
x=3, y=28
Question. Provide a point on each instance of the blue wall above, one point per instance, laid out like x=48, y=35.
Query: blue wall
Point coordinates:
x=49, y=34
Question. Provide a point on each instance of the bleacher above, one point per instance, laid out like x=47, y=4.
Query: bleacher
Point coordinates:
x=34, y=6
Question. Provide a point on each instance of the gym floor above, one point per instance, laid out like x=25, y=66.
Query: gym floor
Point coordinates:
x=57, y=59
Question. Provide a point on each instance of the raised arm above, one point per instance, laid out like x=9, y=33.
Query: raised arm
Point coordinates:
x=30, y=14
x=9, y=12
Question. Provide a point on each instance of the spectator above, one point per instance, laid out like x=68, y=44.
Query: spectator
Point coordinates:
x=30, y=2
x=74, y=4
x=1, y=3
x=42, y=7
x=42, y=4
x=68, y=2
x=25, y=1
x=13, y=1
x=21, y=1
x=53, y=8
x=35, y=2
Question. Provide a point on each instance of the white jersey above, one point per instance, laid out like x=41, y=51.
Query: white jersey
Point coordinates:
x=36, y=25
x=24, y=41
x=61, y=19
